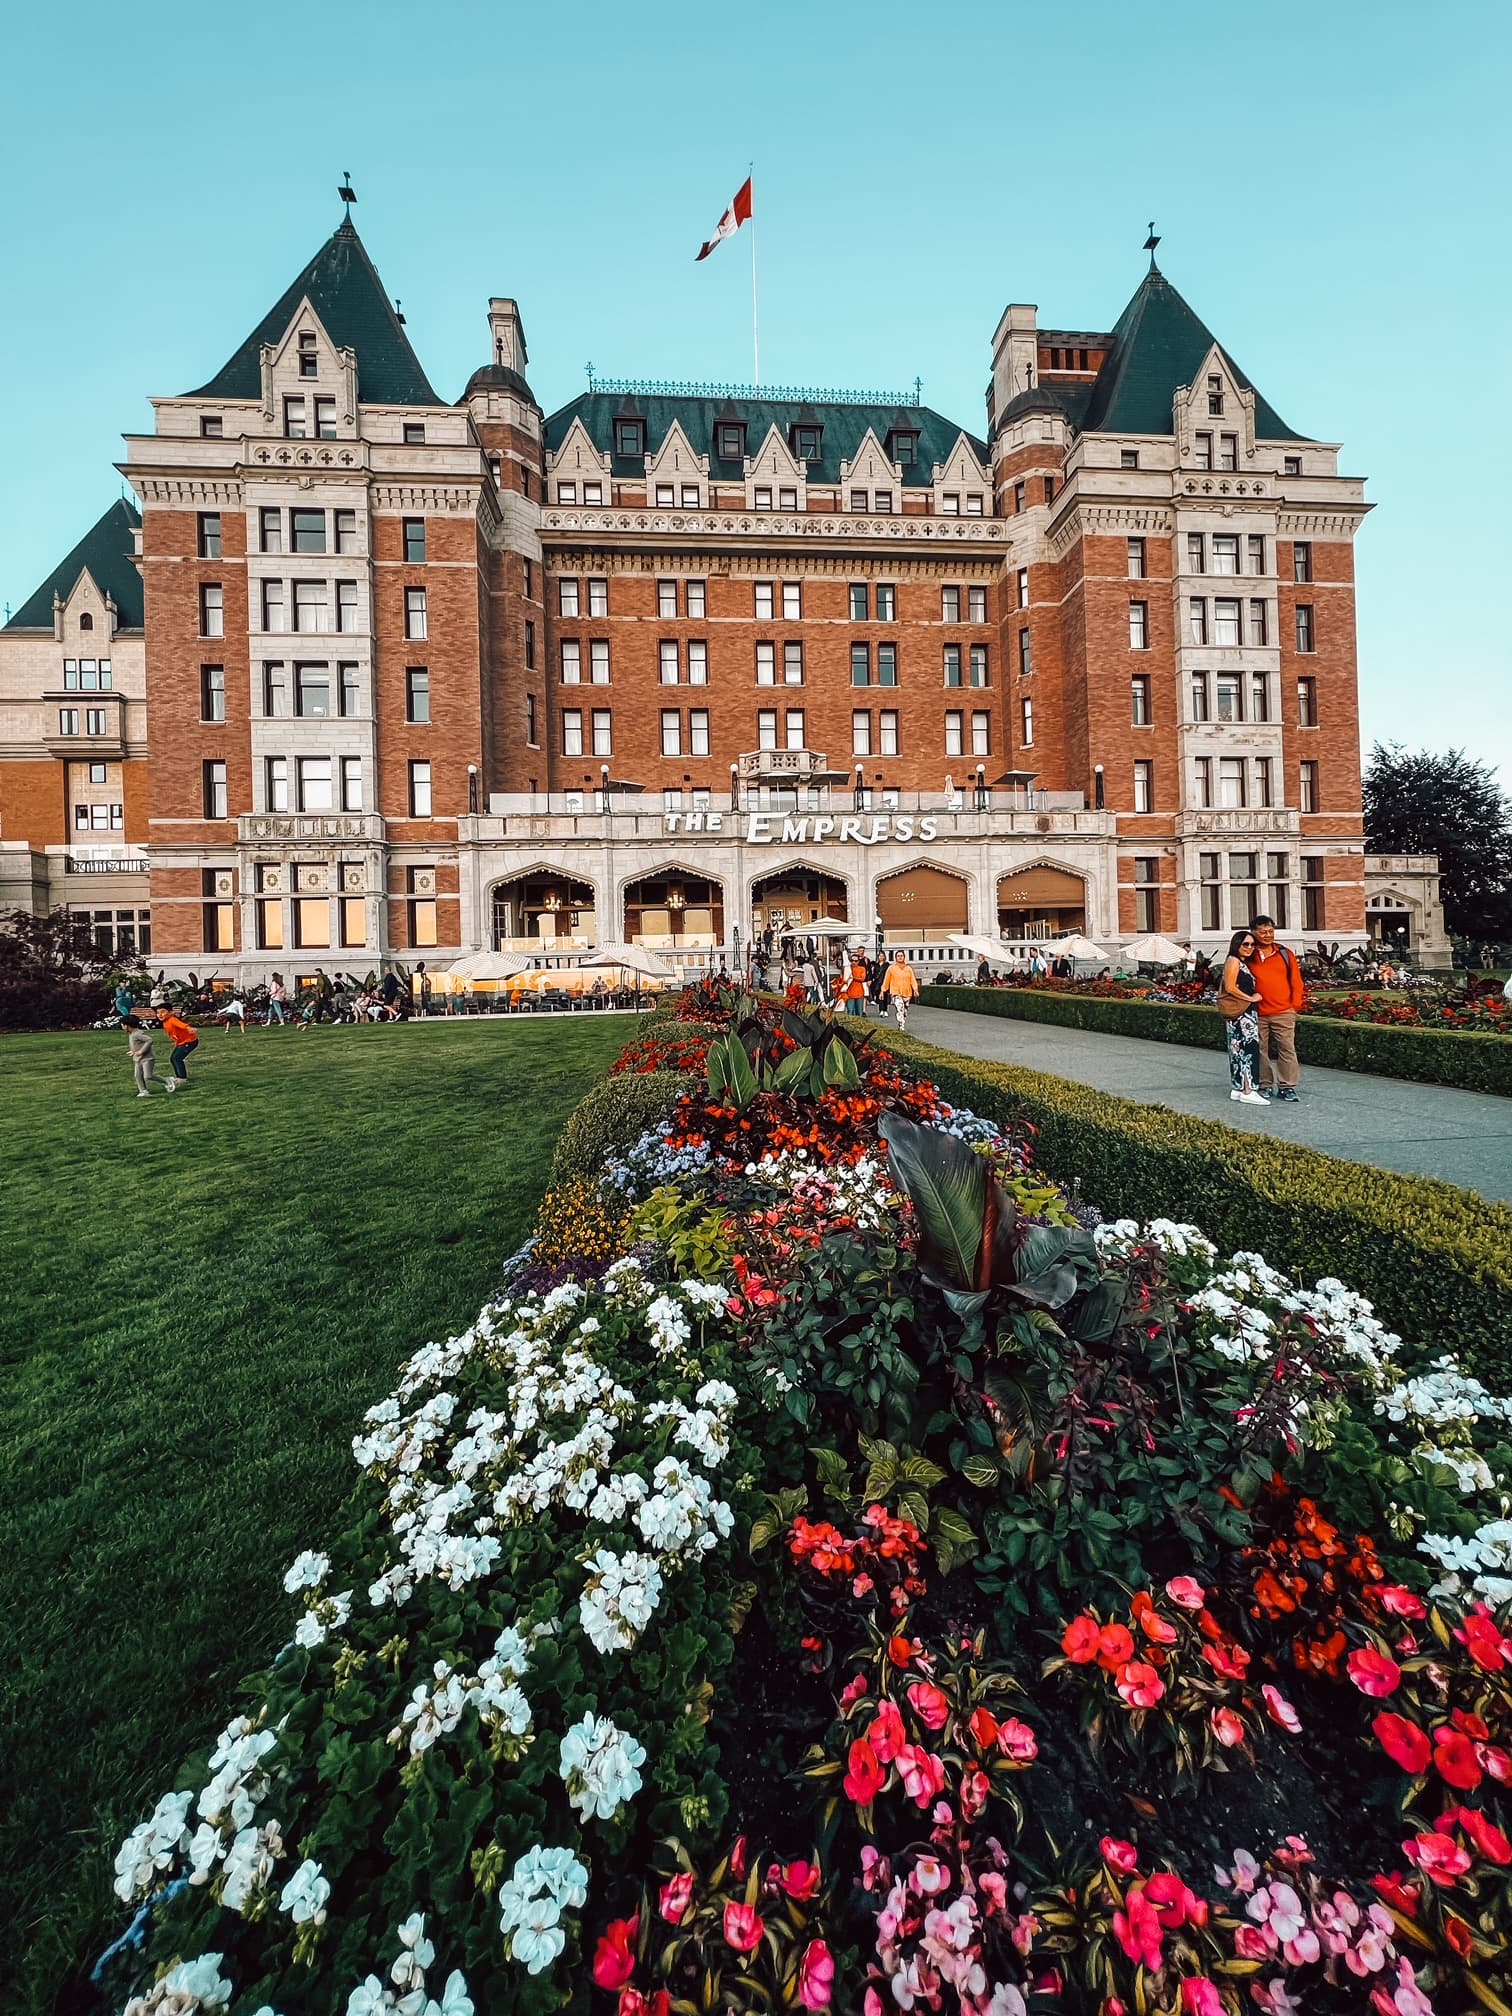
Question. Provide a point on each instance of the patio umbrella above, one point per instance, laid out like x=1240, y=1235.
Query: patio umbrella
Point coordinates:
x=486, y=965
x=990, y=949
x=634, y=959
x=1075, y=947
x=829, y=927
x=1153, y=950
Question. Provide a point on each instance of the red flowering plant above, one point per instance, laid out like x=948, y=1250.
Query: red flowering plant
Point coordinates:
x=880, y=1566
x=749, y=1933
x=1171, y=1678
x=1304, y=1583
x=663, y=1050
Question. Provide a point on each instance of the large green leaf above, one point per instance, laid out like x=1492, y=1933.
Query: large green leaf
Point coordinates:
x=840, y=1070
x=793, y=1071
x=1099, y=1315
x=737, y=1075
x=948, y=1187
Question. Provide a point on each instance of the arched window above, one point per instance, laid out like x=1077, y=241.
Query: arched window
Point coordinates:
x=86, y=621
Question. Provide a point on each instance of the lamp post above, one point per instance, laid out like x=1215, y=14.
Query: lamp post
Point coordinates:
x=734, y=787
x=609, y=869
x=1099, y=797
x=981, y=787
x=860, y=789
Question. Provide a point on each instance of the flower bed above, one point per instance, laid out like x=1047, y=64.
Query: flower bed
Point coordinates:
x=1473, y=1057
x=877, y=1583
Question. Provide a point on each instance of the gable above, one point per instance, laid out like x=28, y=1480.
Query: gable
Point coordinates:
x=107, y=554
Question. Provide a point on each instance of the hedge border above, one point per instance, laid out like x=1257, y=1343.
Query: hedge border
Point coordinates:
x=1471, y=1060
x=1436, y=1261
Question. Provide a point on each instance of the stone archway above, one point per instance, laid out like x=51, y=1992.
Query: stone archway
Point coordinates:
x=674, y=907
x=540, y=909
x=791, y=898
x=1040, y=901
x=1392, y=921
x=923, y=903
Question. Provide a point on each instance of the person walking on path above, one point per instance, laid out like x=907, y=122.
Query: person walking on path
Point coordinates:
x=1279, y=980
x=1239, y=986
x=324, y=995
x=185, y=1040
x=808, y=973
x=143, y=1067
x=853, y=993
x=900, y=984
x=423, y=988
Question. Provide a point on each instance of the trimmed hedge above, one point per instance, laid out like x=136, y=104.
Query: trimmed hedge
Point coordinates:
x=1472, y=1060
x=612, y=1115
x=1436, y=1261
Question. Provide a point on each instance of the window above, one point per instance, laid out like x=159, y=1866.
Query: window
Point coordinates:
x=572, y=732
x=731, y=441
x=325, y=419
x=792, y=664
x=698, y=663
x=312, y=922
x=572, y=662
x=950, y=605
x=950, y=504
x=1226, y=625
x=420, y=790
x=1230, y=696
x=1128, y=458
x=270, y=936
x=861, y=732
x=1302, y=560
x=209, y=535
x=1197, y=618
x=1146, y=892
x=422, y=909
x=629, y=438
x=1225, y=552
x=68, y=720
x=1306, y=640
x=887, y=730
x=275, y=688
x=1205, y=782
x=1307, y=795
x=671, y=732
x=883, y=502
x=414, y=542
x=761, y=499
x=766, y=728
x=94, y=720
x=98, y=773
x=598, y=661
x=858, y=500
x=270, y=531
x=294, y=418
x=212, y=693
x=887, y=602
x=1259, y=697
x=792, y=601
x=417, y=693
x=694, y=599
x=351, y=783
x=1139, y=626
x=765, y=594
x=347, y=618
x=414, y=433
x=766, y=664
x=1312, y=892
x=955, y=724
x=1231, y=781
x=1144, y=787
x=415, y=617
x=211, y=427
x=312, y=691
x=309, y=363
x=1023, y=587
x=860, y=665
x=1307, y=703
x=665, y=493
x=1021, y=497
x=530, y=646
x=976, y=605
x=698, y=731
x=1259, y=623
x=670, y=670
x=1026, y=722
x=212, y=610
x=532, y=735
x=1196, y=552
x=603, y=732
x=887, y=665
x=220, y=920
x=1263, y=791
x=1228, y=451
x=311, y=609
x=352, y=912
x=975, y=502
x=787, y=500
x=566, y=493
x=1049, y=489
x=567, y=596
x=1291, y=465
x=1256, y=547
x=688, y=496
x=216, y=800
x=1025, y=652
x=1204, y=451
x=1140, y=700
x=1137, y=567
x=981, y=734
x=1210, y=880
x=859, y=612
x=666, y=599
x=1243, y=890
x=1215, y=394
x=795, y=728
x=953, y=665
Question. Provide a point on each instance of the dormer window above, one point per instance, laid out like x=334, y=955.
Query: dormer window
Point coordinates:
x=808, y=442
x=1215, y=394
x=86, y=621
x=211, y=427
x=309, y=363
x=730, y=440
x=903, y=446
x=630, y=438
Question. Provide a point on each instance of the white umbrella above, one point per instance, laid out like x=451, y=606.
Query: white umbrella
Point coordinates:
x=1153, y=950
x=1075, y=947
x=634, y=959
x=487, y=965
x=990, y=949
x=827, y=927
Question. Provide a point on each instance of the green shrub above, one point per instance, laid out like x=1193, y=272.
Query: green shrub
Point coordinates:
x=1469, y=1059
x=611, y=1117
x=1436, y=1261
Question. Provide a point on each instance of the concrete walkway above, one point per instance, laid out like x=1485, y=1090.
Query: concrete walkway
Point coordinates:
x=1419, y=1130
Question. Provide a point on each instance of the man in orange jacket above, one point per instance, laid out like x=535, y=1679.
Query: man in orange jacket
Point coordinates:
x=1279, y=979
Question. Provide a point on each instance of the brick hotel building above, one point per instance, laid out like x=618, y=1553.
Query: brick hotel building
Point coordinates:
x=375, y=672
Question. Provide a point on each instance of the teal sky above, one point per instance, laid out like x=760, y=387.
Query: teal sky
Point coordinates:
x=1330, y=182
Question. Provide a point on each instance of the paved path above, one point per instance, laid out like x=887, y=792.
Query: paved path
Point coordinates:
x=1420, y=1130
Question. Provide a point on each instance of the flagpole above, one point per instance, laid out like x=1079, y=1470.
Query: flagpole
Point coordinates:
x=755, y=317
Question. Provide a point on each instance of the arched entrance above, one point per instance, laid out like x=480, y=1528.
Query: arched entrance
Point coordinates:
x=1041, y=902
x=922, y=903
x=795, y=897
x=542, y=908
x=1389, y=920
x=673, y=908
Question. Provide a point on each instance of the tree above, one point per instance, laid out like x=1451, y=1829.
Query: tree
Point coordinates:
x=52, y=974
x=1424, y=802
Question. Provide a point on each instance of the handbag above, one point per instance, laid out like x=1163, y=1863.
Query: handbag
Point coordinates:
x=1232, y=1006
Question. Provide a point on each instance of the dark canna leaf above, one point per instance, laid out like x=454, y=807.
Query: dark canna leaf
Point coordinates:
x=947, y=1185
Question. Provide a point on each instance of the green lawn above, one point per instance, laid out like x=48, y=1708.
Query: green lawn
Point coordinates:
x=203, y=1292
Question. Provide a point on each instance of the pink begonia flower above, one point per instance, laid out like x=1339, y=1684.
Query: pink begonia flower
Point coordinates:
x=1374, y=1673
x=1438, y=1856
x=1279, y=1709
x=1006, y=2001
x=887, y=1734
x=816, y=1976
x=1120, y=1855
x=1275, y=1998
x=676, y=1897
x=1023, y=1934
x=1185, y=1590
x=923, y=1774
x=929, y=1704
x=928, y=1876
x=1406, y=1999
x=1140, y=1685
x=1254, y=1942
x=975, y=1787
x=1244, y=1874
x=1138, y=1930
x=876, y=1870
x=1018, y=1741
x=994, y=1888
x=1293, y=1853
x=1227, y=1727
x=1200, y=1997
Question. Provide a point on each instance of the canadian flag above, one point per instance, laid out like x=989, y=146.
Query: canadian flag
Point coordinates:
x=737, y=214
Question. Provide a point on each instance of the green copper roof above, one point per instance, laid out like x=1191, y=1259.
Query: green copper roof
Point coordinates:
x=105, y=552
x=1158, y=345
x=342, y=285
x=844, y=428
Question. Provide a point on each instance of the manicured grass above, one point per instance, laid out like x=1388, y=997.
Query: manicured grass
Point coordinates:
x=203, y=1292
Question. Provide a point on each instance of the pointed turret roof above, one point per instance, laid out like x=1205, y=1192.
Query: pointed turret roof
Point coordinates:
x=342, y=285
x=106, y=553
x=1159, y=344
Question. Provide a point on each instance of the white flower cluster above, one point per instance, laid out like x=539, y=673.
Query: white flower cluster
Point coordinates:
x=406, y=1995
x=190, y=1987
x=619, y=1598
x=1120, y=1236
x=545, y=1883
x=861, y=1190
x=436, y=1707
x=1484, y=1560
x=600, y=1766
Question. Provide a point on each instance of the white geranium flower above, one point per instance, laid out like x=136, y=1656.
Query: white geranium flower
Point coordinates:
x=600, y=1766
x=308, y=1571
x=370, y=1998
x=306, y=1895
x=201, y=1980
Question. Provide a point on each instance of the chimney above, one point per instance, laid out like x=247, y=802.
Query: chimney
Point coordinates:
x=508, y=335
x=1015, y=355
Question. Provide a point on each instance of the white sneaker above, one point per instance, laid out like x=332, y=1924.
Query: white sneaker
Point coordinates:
x=173, y=1084
x=1250, y=1098
x=144, y=1095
